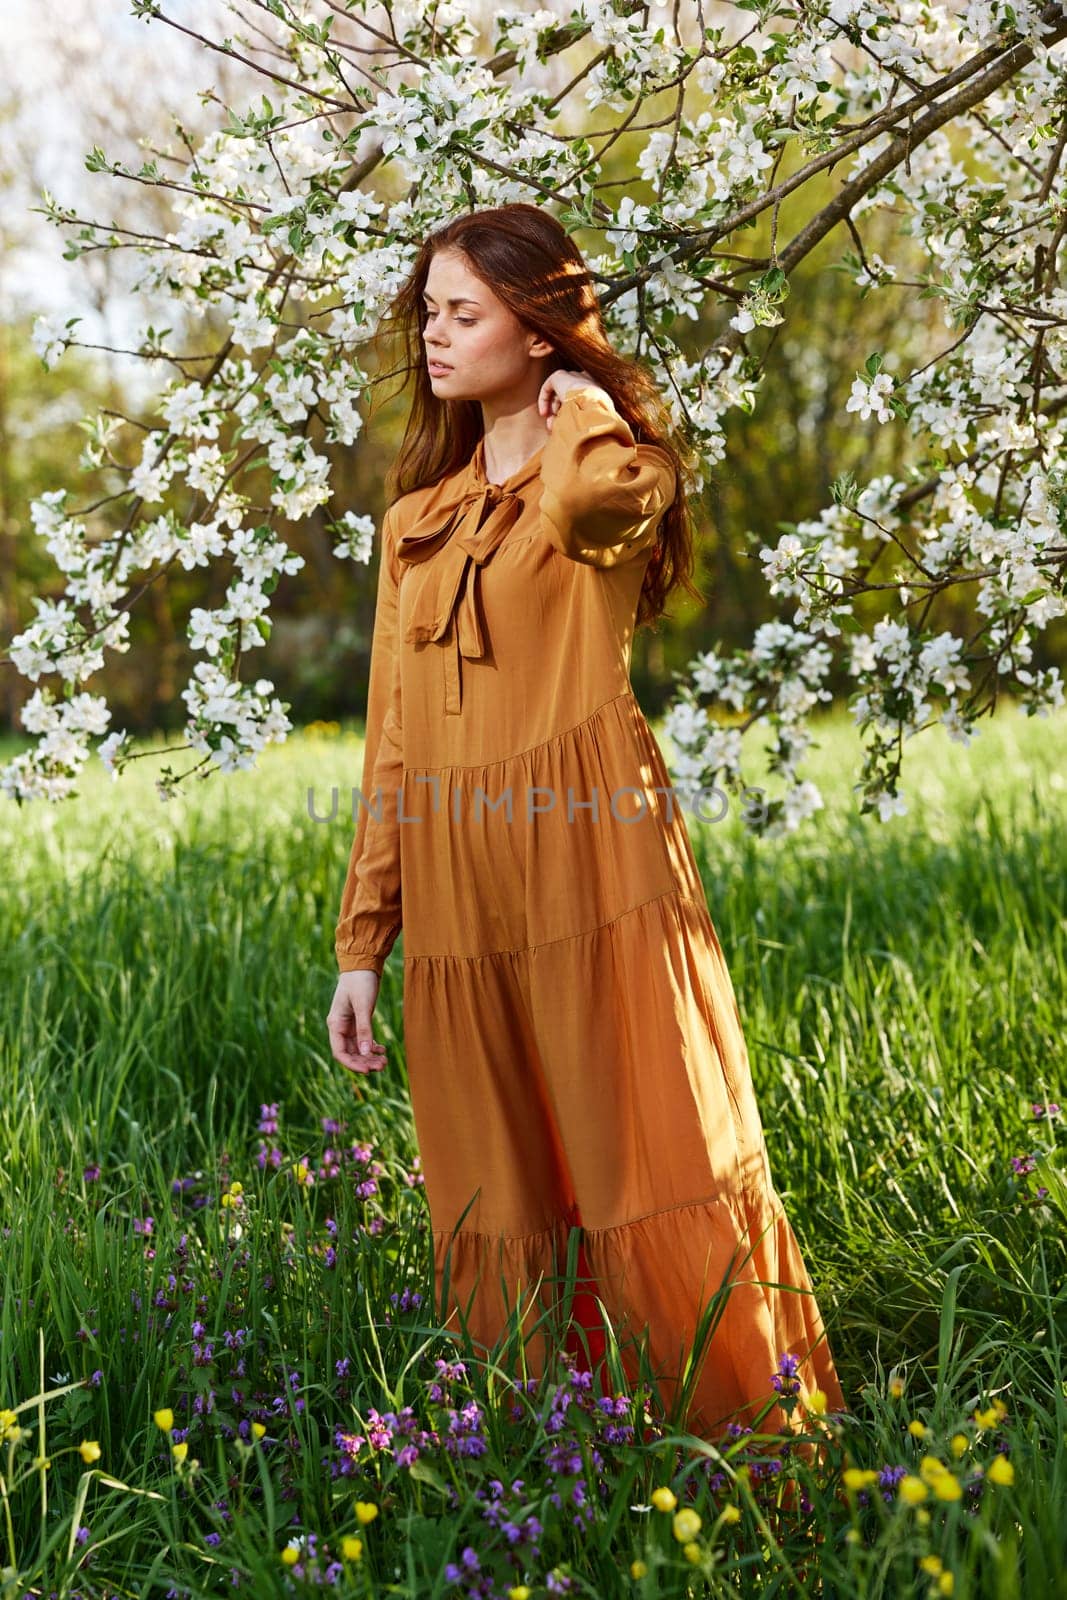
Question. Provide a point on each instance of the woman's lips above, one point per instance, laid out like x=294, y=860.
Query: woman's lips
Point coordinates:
x=439, y=366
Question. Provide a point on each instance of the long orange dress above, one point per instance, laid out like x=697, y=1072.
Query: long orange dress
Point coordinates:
x=573, y=1042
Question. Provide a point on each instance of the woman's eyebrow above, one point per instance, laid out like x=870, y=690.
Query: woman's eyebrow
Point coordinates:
x=456, y=300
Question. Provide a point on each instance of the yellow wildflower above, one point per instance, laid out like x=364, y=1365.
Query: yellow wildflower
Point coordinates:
x=943, y=1482
x=180, y=1451
x=664, y=1499
x=896, y=1388
x=692, y=1552
x=686, y=1525
x=258, y=1429
x=1000, y=1470
x=912, y=1489
x=858, y=1477
x=638, y=1569
x=946, y=1583
x=164, y=1418
x=352, y=1548
x=366, y=1511
x=290, y=1555
x=960, y=1443
x=931, y=1564
x=816, y=1402
x=521, y=1591
x=90, y=1450
x=918, y=1429
x=731, y=1513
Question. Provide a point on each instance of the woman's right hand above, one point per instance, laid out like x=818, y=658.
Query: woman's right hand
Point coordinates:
x=349, y=1022
x=558, y=385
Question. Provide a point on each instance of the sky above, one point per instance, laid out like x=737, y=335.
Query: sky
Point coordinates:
x=71, y=72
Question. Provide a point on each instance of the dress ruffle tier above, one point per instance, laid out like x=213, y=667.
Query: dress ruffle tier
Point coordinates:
x=671, y=1169
x=765, y=1306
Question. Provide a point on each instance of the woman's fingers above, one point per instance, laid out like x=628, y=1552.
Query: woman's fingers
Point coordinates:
x=549, y=398
x=352, y=1042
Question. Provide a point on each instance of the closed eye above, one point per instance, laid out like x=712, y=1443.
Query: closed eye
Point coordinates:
x=468, y=322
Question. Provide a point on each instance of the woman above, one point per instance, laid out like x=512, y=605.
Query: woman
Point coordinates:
x=573, y=1043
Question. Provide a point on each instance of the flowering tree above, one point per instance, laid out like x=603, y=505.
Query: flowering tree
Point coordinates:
x=298, y=220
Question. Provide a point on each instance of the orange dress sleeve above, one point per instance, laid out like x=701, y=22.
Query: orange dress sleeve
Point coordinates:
x=603, y=493
x=370, y=913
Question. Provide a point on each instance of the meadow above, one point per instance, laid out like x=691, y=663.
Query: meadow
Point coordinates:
x=219, y=1366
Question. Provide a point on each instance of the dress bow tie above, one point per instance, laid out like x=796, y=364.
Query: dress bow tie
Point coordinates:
x=445, y=606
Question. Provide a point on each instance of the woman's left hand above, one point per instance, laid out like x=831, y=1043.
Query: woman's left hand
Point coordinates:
x=559, y=384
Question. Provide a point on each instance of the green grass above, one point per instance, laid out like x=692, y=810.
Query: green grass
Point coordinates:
x=167, y=969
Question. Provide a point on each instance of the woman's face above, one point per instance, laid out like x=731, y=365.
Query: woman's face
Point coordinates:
x=485, y=351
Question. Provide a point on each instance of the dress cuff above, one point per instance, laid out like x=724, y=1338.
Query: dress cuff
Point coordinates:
x=360, y=961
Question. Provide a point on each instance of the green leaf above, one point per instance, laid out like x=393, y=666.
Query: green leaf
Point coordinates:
x=422, y=1472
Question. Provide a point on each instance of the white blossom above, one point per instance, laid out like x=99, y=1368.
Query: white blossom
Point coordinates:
x=49, y=339
x=868, y=395
x=357, y=543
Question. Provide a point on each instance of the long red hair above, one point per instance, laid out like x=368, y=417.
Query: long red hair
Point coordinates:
x=526, y=257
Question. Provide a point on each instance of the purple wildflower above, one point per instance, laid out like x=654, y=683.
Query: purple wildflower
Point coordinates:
x=268, y=1119
x=785, y=1380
